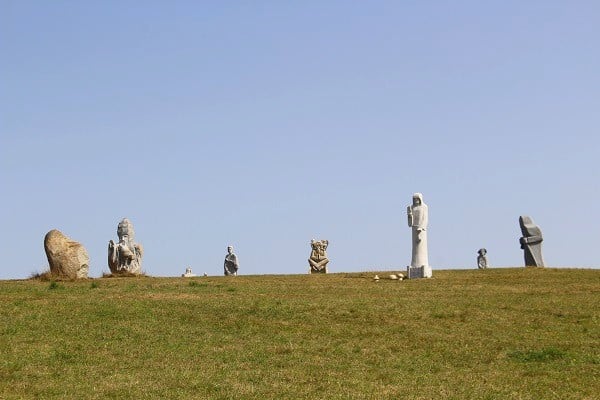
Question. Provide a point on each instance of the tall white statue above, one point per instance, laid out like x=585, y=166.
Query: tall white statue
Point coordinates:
x=418, y=216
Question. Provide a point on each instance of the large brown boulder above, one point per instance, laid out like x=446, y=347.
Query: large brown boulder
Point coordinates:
x=67, y=258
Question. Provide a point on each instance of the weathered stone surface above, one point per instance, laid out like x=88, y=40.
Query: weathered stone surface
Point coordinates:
x=125, y=257
x=531, y=242
x=416, y=272
x=67, y=258
x=231, y=263
x=318, y=256
x=418, y=219
x=482, y=262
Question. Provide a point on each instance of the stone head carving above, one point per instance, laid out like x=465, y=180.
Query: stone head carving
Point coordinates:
x=417, y=199
x=125, y=228
x=528, y=228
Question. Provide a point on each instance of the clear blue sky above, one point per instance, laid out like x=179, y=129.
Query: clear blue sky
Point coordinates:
x=265, y=124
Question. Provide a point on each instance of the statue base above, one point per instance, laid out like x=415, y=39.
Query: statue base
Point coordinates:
x=418, y=272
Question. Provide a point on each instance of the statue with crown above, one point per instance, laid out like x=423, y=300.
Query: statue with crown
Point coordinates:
x=125, y=257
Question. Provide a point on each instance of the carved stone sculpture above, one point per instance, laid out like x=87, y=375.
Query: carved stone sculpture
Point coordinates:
x=125, y=257
x=418, y=216
x=531, y=242
x=318, y=256
x=231, y=264
x=67, y=258
x=482, y=262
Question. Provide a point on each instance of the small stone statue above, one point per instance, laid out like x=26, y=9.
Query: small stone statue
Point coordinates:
x=482, y=262
x=418, y=216
x=318, y=256
x=126, y=255
x=531, y=242
x=231, y=264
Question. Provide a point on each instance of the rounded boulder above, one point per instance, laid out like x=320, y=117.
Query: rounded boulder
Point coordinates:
x=67, y=258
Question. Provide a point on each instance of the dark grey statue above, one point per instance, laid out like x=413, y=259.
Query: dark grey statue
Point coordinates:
x=482, y=262
x=231, y=264
x=531, y=242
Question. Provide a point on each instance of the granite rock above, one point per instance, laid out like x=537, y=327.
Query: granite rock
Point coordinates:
x=67, y=258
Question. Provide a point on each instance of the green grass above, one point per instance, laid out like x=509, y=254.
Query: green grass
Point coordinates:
x=465, y=334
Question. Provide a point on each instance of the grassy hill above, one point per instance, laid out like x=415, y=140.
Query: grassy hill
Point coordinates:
x=465, y=334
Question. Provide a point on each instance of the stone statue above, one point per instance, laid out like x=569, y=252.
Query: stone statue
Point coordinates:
x=482, y=262
x=126, y=255
x=418, y=215
x=531, y=242
x=231, y=264
x=318, y=256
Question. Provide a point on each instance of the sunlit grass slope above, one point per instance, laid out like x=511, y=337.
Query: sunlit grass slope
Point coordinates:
x=465, y=334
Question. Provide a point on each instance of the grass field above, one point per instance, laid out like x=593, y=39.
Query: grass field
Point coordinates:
x=465, y=334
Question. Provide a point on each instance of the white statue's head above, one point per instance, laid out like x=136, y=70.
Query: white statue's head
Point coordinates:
x=229, y=249
x=125, y=229
x=417, y=199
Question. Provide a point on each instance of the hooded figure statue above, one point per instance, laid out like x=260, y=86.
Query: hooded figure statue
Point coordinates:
x=418, y=218
x=531, y=242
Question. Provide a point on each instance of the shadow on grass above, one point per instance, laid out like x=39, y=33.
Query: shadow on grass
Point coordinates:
x=124, y=275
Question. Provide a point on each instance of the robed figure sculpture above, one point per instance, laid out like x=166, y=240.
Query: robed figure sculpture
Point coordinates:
x=531, y=242
x=126, y=255
x=418, y=218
